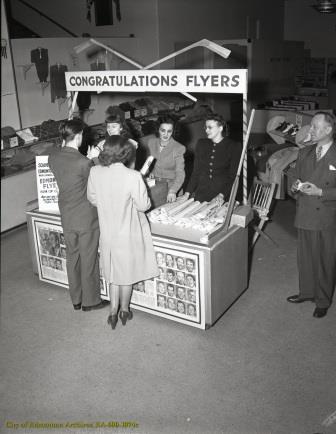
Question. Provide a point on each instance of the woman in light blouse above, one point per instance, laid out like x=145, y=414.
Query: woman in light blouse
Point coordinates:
x=169, y=158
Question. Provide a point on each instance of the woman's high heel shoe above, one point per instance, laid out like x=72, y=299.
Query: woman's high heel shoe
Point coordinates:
x=124, y=316
x=112, y=320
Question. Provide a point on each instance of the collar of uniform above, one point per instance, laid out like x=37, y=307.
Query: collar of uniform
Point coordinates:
x=217, y=143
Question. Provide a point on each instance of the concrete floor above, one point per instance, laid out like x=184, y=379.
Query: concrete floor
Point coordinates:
x=266, y=367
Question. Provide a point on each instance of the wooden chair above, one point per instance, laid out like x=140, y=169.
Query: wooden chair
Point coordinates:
x=261, y=196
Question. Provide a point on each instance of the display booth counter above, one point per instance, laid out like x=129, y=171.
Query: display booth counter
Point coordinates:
x=197, y=282
x=200, y=273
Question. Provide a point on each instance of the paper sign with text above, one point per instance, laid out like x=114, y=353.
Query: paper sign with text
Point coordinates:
x=47, y=189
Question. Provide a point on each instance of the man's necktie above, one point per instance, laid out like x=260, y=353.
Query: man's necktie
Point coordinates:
x=318, y=153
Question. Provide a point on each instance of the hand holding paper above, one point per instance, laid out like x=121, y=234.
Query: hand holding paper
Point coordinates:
x=310, y=189
x=93, y=152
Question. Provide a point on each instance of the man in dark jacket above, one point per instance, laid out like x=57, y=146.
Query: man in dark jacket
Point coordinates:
x=316, y=216
x=79, y=218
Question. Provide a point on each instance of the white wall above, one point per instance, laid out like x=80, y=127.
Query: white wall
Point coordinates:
x=16, y=191
x=138, y=17
x=318, y=31
x=36, y=106
x=161, y=23
x=9, y=108
x=190, y=20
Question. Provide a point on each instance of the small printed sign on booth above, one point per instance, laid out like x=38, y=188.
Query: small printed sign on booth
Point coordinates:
x=47, y=190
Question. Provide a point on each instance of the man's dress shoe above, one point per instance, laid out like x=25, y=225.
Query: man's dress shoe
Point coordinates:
x=297, y=299
x=100, y=305
x=77, y=306
x=320, y=312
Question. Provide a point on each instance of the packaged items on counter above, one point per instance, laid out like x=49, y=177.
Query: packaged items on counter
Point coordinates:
x=188, y=213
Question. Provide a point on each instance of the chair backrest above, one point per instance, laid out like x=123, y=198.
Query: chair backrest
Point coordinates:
x=261, y=197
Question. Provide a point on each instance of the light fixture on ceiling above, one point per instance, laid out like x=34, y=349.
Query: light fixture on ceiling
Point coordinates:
x=325, y=7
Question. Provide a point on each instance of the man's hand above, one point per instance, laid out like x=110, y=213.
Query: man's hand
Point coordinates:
x=171, y=197
x=310, y=189
x=296, y=186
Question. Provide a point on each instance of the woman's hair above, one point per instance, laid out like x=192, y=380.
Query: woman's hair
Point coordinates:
x=114, y=119
x=116, y=149
x=217, y=118
x=68, y=129
x=165, y=120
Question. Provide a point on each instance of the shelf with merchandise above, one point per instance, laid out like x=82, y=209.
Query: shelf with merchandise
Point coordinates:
x=22, y=158
x=288, y=137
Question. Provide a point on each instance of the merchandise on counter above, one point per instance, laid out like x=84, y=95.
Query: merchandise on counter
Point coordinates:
x=283, y=127
x=23, y=159
x=48, y=129
x=8, y=136
x=27, y=135
x=146, y=165
x=188, y=213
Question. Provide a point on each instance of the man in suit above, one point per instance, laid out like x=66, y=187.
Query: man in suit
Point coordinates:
x=79, y=218
x=316, y=216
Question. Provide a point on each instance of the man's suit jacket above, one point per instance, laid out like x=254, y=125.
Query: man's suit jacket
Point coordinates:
x=313, y=212
x=71, y=170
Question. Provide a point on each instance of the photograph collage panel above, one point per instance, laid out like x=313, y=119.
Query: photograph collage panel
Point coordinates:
x=144, y=293
x=177, y=286
x=104, y=291
x=51, y=251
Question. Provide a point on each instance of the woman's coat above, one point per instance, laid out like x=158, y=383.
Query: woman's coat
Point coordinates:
x=126, y=247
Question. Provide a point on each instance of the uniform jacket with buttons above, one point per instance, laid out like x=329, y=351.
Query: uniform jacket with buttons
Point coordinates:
x=313, y=212
x=215, y=169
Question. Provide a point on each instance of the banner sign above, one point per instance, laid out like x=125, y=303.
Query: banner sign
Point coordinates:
x=47, y=190
x=176, y=80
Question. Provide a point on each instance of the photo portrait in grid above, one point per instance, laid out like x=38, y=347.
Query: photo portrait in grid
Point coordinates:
x=177, y=285
x=104, y=291
x=51, y=253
